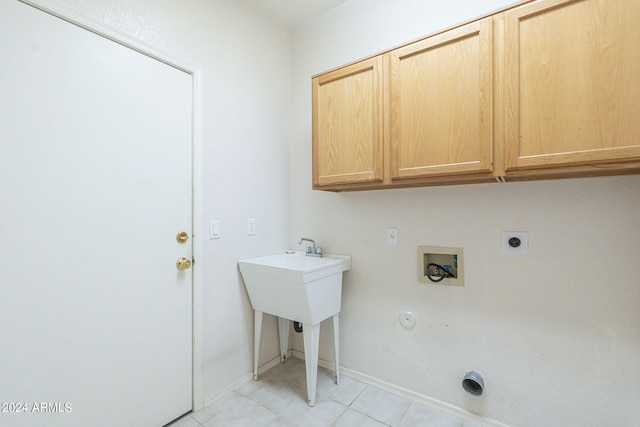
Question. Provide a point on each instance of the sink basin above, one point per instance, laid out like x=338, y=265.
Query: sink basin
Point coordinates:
x=295, y=286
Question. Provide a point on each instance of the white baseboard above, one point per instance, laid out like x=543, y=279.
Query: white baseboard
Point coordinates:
x=406, y=393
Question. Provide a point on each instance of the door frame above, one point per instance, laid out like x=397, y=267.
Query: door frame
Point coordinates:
x=75, y=17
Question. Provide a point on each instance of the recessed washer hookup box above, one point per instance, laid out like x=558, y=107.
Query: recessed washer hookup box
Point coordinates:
x=441, y=265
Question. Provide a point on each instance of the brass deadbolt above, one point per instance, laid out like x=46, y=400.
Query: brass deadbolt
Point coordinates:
x=182, y=237
x=183, y=263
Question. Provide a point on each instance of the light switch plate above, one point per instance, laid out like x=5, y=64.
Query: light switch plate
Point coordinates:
x=251, y=226
x=214, y=229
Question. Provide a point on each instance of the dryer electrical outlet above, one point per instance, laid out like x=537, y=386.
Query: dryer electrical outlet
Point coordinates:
x=440, y=265
x=515, y=242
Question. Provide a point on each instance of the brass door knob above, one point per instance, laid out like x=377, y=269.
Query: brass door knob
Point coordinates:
x=183, y=263
x=182, y=237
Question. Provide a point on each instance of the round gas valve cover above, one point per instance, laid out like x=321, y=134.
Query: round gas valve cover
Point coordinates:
x=407, y=319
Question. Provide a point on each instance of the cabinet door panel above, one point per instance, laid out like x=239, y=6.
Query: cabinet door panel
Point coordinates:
x=572, y=86
x=441, y=104
x=347, y=125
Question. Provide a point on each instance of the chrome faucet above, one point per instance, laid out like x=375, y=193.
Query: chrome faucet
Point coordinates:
x=311, y=250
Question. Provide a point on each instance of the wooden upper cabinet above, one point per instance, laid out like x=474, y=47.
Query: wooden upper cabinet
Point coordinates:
x=571, y=84
x=441, y=104
x=348, y=125
x=543, y=89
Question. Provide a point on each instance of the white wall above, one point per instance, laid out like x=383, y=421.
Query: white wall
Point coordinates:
x=245, y=58
x=555, y=333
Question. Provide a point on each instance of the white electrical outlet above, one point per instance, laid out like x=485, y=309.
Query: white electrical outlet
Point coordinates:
x=515, y=242
x=251, y=226
x=392, y=236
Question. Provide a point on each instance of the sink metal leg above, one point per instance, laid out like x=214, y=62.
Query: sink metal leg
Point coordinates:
x=283, y=333
x=311, y=338
x=257, y=332
x=336, y=344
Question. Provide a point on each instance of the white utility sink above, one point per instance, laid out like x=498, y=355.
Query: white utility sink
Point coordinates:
x=295, y=286
x=305, y=289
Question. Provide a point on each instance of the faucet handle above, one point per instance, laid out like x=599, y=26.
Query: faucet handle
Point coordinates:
x=319, y=250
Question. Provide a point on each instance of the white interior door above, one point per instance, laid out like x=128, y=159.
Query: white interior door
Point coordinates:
x=95, y=183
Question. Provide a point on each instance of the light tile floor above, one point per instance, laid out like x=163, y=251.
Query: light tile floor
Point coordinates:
x=279, y=399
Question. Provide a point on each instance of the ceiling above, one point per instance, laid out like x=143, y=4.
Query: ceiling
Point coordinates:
x=296, y=12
